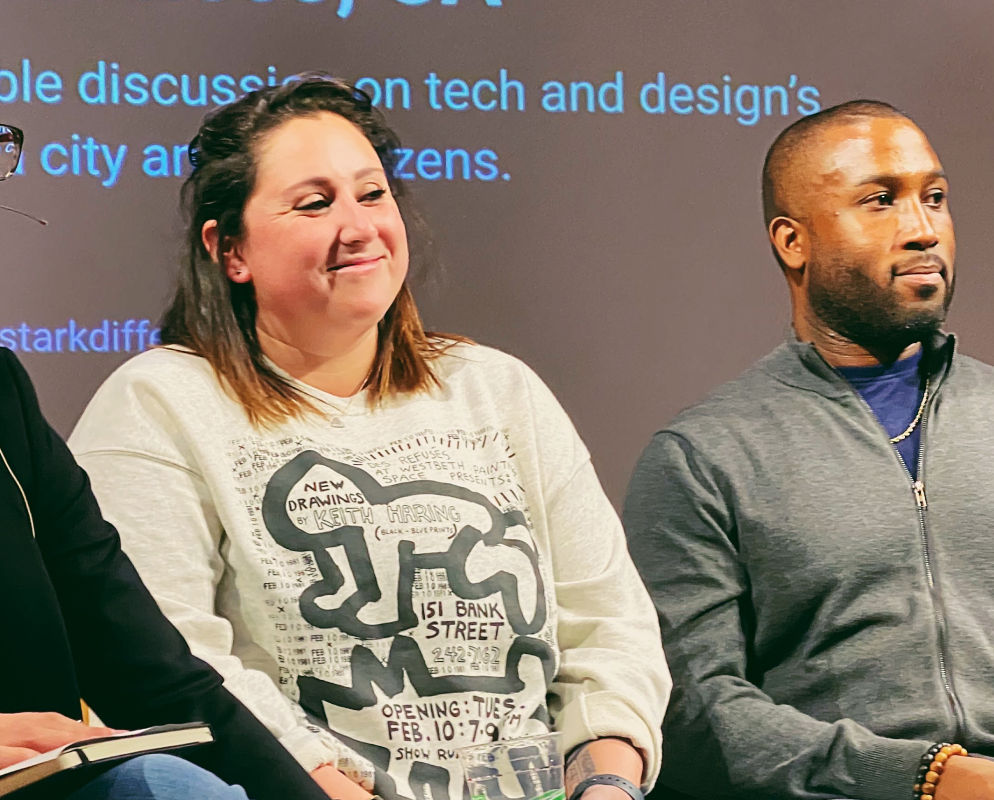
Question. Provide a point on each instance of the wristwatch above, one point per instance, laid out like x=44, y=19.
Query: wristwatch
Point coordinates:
x=611, y=780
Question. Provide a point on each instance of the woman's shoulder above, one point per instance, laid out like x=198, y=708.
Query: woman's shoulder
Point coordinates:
x=167, y=360
x=162, y=378
x=164, y=371
x=478, y=371
x=465, y=359
x=502, y=387
x=152, y=404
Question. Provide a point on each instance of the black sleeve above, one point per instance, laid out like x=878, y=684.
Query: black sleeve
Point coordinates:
x=134, y=668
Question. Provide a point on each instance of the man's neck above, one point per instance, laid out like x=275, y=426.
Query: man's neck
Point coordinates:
x=840, y=351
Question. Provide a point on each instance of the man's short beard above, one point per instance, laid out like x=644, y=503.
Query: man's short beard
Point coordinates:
x=873, y=317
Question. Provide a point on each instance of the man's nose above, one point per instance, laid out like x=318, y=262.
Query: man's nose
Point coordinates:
x=918, y=231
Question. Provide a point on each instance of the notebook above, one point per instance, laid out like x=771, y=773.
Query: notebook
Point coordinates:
x=97, y=751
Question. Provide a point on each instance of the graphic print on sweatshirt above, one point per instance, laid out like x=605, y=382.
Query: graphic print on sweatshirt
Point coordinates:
x=409, y=604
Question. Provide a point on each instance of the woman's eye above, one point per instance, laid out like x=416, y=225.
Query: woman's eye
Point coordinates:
x=314, y=204
x=374, y=195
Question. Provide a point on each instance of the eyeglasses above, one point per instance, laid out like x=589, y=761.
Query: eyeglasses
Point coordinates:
x=11, y=139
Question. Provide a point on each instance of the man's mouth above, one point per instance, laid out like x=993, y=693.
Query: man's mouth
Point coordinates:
x=924, y=276
x=924, y=267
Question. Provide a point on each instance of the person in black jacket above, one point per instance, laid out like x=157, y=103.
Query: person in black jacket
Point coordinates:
x=78, y=623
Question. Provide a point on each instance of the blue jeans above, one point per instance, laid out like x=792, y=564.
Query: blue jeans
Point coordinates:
x=158, y=777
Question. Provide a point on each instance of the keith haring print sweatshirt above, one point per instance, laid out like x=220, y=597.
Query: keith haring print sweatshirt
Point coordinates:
x=382, y=585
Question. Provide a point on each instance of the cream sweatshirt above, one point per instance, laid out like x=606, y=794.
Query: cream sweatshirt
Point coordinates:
x=381, y=586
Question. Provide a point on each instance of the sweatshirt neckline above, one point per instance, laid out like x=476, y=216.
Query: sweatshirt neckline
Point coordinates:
x=353, y=406
x=799, y=364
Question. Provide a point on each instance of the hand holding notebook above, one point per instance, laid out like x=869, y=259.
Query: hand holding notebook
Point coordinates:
x=28, y=734
x=115, y=747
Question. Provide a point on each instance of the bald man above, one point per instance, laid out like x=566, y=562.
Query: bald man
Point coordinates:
x=818, y=534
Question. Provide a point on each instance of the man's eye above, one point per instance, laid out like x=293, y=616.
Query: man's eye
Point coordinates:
x=880, y=199
x=936, y=198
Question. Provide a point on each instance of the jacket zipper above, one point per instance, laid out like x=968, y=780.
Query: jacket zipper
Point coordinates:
x=921, y=503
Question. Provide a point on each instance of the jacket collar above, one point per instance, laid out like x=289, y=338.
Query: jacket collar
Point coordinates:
x=800, y=365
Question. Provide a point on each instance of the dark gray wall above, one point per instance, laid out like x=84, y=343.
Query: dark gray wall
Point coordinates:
x=624, y=258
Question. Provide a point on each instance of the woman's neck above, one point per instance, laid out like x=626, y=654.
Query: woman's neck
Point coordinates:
x=338, y=367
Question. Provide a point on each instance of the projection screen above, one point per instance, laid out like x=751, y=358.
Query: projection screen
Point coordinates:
x=590, y=169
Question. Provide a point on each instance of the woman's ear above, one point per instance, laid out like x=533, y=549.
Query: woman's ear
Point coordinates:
x=224, y=253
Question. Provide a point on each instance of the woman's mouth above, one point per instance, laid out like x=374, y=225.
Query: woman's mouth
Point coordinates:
x=356, y=265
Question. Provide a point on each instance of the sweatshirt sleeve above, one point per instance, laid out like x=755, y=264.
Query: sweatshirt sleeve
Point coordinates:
x=150, y=489
x=722, y=735
x=133, y=666
x=613, y=679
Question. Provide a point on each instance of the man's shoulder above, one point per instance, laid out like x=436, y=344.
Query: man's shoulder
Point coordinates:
x=971, y=368
x=742, y=401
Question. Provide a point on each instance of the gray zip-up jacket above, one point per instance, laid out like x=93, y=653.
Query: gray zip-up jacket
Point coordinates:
x=825, y=620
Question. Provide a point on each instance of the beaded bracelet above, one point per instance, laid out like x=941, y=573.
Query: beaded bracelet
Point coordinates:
x=932, y=766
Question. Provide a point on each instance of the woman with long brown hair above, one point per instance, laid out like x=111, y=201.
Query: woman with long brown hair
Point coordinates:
x=391, y=543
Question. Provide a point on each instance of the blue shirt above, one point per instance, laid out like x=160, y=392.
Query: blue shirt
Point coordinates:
x=894, y=392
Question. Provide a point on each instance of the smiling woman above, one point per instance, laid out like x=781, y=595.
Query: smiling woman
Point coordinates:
x=324, y=249
x=319, y=160
x=327, y=499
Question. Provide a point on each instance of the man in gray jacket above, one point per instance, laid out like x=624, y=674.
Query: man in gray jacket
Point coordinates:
x=818, y=534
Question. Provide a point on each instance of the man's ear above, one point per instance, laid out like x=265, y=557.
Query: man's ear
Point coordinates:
x=225, y=253
x=790, y=240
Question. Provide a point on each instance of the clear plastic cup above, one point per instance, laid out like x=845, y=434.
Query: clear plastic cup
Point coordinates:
x=529, y=768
